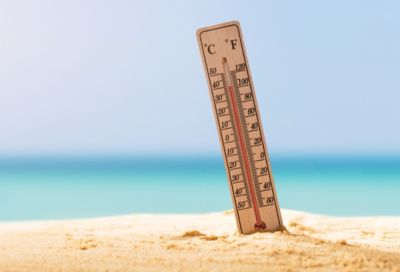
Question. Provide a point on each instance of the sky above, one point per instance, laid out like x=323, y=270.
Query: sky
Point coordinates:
x=125, y=77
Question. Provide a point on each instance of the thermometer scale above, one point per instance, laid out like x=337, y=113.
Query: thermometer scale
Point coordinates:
x=239, y=126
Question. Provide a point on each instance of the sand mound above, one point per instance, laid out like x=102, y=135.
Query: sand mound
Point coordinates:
x=201, y=242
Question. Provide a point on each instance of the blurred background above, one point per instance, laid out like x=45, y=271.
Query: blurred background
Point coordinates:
x=104, y=106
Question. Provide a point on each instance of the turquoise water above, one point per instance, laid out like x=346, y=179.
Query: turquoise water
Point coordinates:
x=56, y=188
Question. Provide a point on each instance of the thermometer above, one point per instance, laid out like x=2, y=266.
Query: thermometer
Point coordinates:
x=239, y=127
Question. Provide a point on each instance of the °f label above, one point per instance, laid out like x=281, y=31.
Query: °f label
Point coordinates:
x=240, y=130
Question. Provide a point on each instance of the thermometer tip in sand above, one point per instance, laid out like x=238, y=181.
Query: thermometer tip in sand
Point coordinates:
x=239, y=126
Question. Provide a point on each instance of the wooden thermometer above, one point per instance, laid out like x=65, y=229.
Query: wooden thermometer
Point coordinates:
x=239, y=126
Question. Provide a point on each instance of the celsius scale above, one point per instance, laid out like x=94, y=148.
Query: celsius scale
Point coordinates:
x=239, y=127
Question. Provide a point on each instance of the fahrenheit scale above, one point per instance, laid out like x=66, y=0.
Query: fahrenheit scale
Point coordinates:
x=239, y=125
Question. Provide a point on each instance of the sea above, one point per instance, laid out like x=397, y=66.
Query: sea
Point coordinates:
x=47, y=188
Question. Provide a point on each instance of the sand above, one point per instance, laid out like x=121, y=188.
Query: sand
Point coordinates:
x=201, y=242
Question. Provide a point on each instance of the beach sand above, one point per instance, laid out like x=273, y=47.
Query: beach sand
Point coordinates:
x=201, y=242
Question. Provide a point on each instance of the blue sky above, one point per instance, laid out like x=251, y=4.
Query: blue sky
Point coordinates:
x=125, y=77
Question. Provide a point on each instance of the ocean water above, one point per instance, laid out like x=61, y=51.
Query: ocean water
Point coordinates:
x=59, y=188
